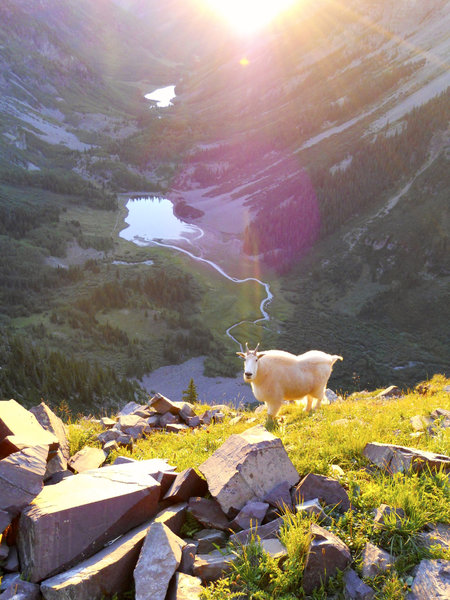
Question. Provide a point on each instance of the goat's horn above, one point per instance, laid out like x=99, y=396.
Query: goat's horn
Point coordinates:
x=246, y=347
x=257, y=346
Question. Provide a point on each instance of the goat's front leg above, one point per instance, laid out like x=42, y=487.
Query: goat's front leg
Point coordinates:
x=309, y=401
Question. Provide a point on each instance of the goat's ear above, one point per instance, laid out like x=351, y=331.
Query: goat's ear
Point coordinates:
x=241, y=354
x=260, y=354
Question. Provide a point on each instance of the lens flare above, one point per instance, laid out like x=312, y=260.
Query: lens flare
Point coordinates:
x=248, y=16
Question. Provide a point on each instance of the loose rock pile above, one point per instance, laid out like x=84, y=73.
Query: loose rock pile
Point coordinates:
x=90, y=535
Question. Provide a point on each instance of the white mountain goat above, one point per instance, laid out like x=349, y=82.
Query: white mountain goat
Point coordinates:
x=277, y=376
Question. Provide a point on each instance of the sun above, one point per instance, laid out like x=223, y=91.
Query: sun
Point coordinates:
x=248, y=16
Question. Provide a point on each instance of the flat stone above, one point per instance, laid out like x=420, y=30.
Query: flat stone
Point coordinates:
x=329, y=490
x=168, y=419
x=279, y=496
x=21, y=590
x=252, y=514
x=59, y=476
x=110, y=446
x=22, y=478
x=71, y=520
x=208, y=539
x=109, y=435
x=153, y=421
x=396, y=459
x=15, y=420
x=173, y=517
x=5, y=519
x=327, y=553
x=436, y=535
x=107, y=422
x=208, y=513
x=52, y=423
x=159, y=559
x=187, y=558
x=375, y=560
x=266, y=531
x=420, y=422
x=390, y=392
x=246, y=467
x=108, y=572
x=193, y=421
x=163, y=405
x=432, y=581
x=209, y=567
x=176, y=427
x=186, y=410
x=331, y=396
x=185, y=587
x=311, y=507
x=129, y=408
x=187, y=483
x=384, y=511
x=274, y=548
x=355, y=588
x=133, y=425
x=86, y=459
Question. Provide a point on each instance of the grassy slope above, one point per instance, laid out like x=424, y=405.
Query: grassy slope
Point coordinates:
x=335, y=435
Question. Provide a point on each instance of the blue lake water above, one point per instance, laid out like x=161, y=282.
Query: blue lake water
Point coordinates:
x=152, y=218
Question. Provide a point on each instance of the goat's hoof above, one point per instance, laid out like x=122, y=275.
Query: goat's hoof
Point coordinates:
x=271, y=423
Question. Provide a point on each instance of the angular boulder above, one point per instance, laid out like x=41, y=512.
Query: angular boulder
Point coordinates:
x=326, y=554
x=22, y=478
x=159, y=559
x=401, y=459
x=326, y=489
x=52, y=423
x=209, y=567
x=246, y=467
x=71, y=520
x=185, y=587
x=17, y=421
x=375, y=560
x=355, y=588
x=186, y=484
x=432, y=581
x=108, y=572
x=208, y=513
x=86, y=459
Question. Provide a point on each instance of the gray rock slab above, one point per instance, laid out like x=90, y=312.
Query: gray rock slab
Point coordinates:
x=375, y=560
x=187, y=483
x=52, y=423
x=396, y=459
x=275, y=548
x=129, y=408
x=71, y=520
x=185, y=587
x=279, y=496
x=267, y=531
x=108, y=572
x=327, y=489
x=86, y=459
x=246, y=467
x=390, y=392
x=176, y=427
x=208, y=513
x=159, y=559
x=326, y=554
x=209, y=567
x=21, y=478
x=209, y=539
x=385, y=513
x=21, y=590
x=435, y=535
x=188, y=558
x=168, y=419
x=311, y=507
x=131, y=424
x=432, y=581
x=107, y=422
x=5, y=519
x=163, y=405
x=355, y=588
x=16, y=421
x=173, y=517
x=252, y=514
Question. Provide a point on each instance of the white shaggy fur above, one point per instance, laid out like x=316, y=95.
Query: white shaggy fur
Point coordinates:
x=277, y=376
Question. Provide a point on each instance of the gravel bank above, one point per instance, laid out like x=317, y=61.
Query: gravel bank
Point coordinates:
x=172, y=380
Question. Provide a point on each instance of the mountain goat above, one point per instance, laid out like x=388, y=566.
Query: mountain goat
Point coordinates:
x=277, y=376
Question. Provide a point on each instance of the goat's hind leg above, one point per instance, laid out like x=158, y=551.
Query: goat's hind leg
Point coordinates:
x=309, y=401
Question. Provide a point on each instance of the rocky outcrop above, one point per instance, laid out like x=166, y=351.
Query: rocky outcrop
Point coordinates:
x=89, y=535
x=395, y=459
x=246, y=467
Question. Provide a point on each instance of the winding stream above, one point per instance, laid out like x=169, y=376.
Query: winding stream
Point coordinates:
x=151, y=220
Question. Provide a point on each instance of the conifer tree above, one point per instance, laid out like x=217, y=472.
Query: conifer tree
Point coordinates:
x=190, y=394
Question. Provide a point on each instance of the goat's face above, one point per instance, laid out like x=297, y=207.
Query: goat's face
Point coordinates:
x=251, y=358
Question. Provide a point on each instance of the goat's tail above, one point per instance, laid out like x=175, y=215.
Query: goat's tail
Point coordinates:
x=335, y=357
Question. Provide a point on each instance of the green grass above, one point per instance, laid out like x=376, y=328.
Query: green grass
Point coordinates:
x=314, y=443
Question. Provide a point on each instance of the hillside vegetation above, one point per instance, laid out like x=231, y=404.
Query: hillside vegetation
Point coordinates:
x=319, y=443
x=328, y=151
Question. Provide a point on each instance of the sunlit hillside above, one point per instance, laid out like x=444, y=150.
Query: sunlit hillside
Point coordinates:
x=312, y=153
